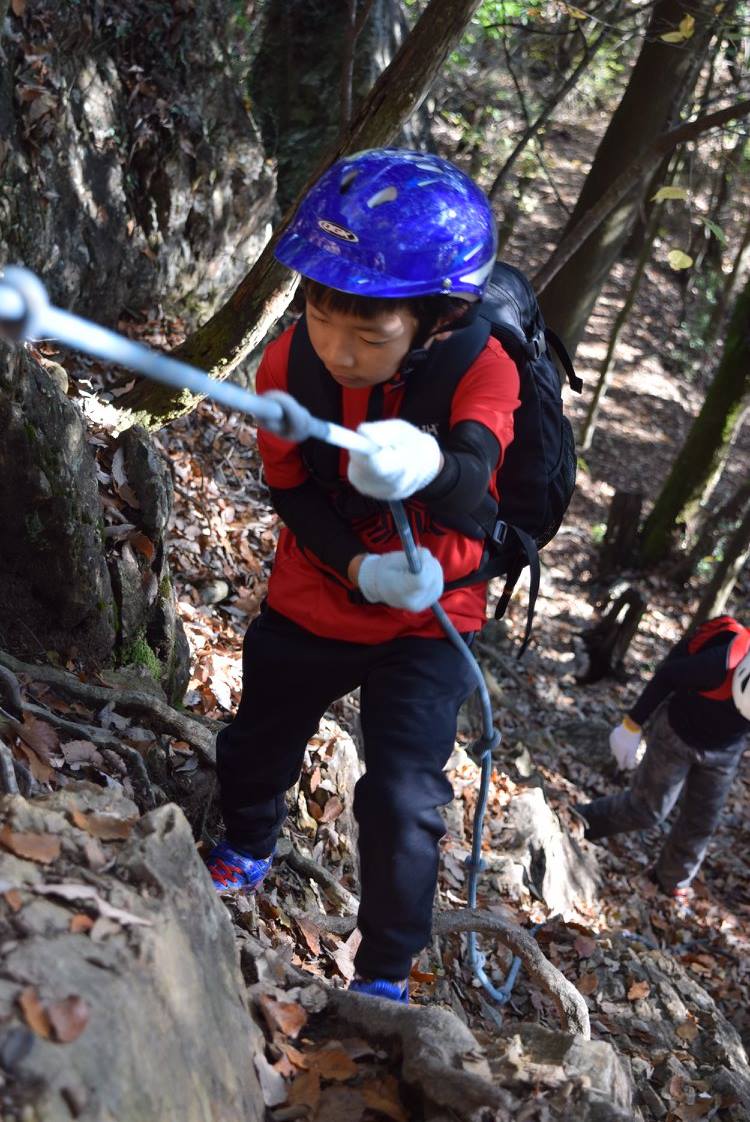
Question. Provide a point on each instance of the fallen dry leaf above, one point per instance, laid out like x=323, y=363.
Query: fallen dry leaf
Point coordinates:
x=13, y=899
x=40, y=736
x=333, y=808
x=86, y=892
x=588, y=983
x=68, y=1017
x=638, y=990
x=305, y=1090
x=34, y=1012
x=688, y=1030
x=584, y=946
x=82, y=752
x=42, y=848
x=80, y=923
x=382, y=1095
x=106, y=827
x=39, y=769
x=344, y=955
x=287, y=1016
x=332, y=1063
x=311, y=934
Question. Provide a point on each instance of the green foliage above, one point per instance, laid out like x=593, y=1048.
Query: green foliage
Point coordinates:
x=598, y=532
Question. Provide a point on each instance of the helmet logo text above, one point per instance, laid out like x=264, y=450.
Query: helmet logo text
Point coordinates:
x=337, y=231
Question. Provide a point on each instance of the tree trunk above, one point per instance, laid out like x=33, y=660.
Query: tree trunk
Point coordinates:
x=607, y=642
x=711, y=532
x=315, y=64
x=237, y=328
x=706, y=440
x=589, y=425
x=724, y=298
x=618, y=548
x=658, y=85
x=719, y=589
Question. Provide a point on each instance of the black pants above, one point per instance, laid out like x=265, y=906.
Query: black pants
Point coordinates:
x=411, y=691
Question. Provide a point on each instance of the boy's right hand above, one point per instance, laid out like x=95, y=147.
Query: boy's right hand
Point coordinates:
x=406, y=460
x=624, y=741
x=385, y=578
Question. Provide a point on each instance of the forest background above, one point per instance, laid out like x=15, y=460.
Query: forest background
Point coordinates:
x=147, y=152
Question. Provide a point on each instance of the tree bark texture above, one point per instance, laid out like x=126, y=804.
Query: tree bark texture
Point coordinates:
x=264, y=294
x=736, y=552
x=709, y=434
x=297, y=83
x=714, y=527
x=130, y=168
x=655, y=92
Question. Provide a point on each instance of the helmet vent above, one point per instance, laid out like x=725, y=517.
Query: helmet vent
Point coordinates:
x=347, y=179
x=387, y=195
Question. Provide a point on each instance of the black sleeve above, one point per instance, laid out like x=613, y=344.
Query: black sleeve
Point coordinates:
x=316, y=525
x=470, y=452
x=704, y=670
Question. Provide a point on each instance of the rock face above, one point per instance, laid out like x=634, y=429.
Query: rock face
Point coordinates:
x=130, y=166
x=59, y=591
x=150, y=997
x=584, y=1079
x=55, y=590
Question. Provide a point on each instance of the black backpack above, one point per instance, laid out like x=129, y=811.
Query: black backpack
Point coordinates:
x=537, y=477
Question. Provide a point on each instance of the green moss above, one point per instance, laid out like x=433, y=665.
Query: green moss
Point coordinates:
x=139, y=653
x=165, y=587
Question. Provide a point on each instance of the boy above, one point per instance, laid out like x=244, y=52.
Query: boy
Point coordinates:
x=394, y=248
x=700, y=698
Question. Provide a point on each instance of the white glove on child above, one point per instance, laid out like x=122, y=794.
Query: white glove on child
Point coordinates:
x=386, y=578
x=406, y=461
x=624, y=741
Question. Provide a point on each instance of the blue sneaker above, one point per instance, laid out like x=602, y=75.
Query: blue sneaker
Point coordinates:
x=234, y=872
x=379, y=987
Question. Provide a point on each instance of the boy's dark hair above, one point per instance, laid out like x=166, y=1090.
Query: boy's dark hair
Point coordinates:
x=431, y=312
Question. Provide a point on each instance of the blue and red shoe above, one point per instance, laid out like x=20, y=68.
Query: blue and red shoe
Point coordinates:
x=235, y=872
x=379, y=987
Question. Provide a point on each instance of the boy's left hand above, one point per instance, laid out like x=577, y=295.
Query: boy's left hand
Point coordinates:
x=406, y=460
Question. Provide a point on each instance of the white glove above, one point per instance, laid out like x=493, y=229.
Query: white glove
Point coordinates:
x=624, y=741
x=386, y=578
x=406, y=461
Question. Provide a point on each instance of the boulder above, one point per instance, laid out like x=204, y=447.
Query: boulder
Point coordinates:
x=121, y=995
x=531, y=852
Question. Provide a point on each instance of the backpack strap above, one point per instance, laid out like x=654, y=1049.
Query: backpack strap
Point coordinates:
x=531, y=555
x=566, y=362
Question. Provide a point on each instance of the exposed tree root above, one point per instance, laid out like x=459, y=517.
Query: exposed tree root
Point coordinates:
x=160, y=714
x=569, y=1003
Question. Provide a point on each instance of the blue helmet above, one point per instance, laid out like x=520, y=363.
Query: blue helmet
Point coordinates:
x=395, y=223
